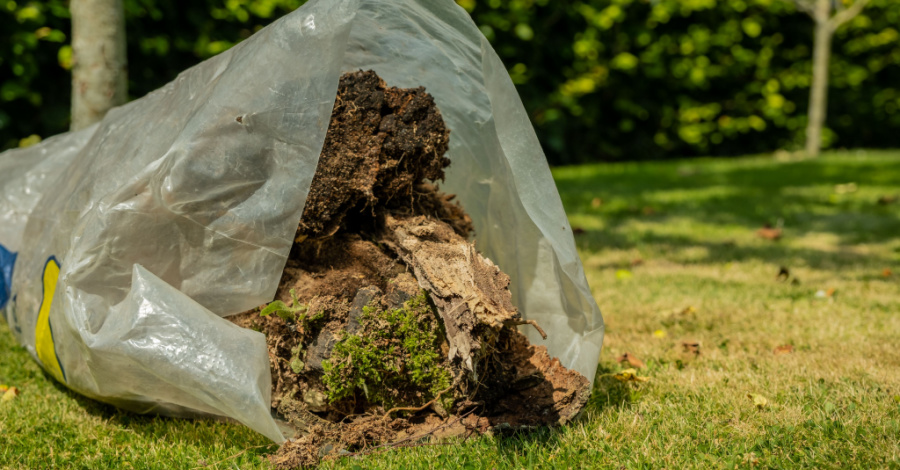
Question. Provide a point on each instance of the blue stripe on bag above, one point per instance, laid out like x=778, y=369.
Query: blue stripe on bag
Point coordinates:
x=7, y=261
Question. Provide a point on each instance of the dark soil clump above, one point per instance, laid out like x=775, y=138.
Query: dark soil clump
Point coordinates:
x=388, y=325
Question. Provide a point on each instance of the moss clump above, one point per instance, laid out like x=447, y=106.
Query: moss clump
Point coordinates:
x=394, y=360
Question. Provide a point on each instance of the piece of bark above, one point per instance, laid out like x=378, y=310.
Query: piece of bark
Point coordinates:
x=468, y=290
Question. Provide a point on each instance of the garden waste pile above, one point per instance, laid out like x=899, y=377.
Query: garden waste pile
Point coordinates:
x=273, y=238
x=389, y=324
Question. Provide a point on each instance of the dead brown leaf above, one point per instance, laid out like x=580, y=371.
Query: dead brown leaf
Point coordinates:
x=886, y=273
x=783, y=274
x=769, y=233
x=631, y=360
x=885, y=200
x=629, y=375
x=596, y=203
x=784, y=349
x=692, y=347
x=577, y=231
x=9, y=394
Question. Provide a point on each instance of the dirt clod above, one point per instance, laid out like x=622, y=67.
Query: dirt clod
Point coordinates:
x=394, y=327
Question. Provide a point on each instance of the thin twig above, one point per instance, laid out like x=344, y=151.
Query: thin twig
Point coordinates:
x=417, y=408
x=805, y=7
x=847, y=14
x=527, y=322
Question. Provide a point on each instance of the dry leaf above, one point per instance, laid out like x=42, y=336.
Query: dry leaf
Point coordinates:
x=629, y=375
x=3, y=388
x=9, y=394
x=758, y=400
x=596, y=203
x=623, y=274
x=769, y=233
x=783, y=274
x=578, y=231
x=637, y=262
x=822, y=294
x=885, y=200
x=631, y=360
x=886, y=273
x=659, y=334
x=784, y=349
x=678, y=313
x=846, y=188
x=692, y=347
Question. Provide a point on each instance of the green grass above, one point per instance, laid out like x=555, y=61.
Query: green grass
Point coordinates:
x=832, y=403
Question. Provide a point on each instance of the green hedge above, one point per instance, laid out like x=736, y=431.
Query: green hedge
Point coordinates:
x=602, y=79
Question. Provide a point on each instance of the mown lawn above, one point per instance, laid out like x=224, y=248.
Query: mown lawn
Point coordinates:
x=672, y=254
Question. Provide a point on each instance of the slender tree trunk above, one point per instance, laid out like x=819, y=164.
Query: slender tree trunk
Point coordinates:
x=99, y=63
x=818, y=93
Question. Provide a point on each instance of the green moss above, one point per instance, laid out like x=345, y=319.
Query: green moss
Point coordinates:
x=394, y=360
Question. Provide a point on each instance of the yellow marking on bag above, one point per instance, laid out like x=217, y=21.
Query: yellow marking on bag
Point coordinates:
x=43, y=334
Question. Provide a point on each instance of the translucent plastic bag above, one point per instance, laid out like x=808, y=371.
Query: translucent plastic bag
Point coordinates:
x=129, y=240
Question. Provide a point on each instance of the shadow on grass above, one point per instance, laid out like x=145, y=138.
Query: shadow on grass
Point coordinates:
x=748, y=193
x=607, y=393
x=154, y=427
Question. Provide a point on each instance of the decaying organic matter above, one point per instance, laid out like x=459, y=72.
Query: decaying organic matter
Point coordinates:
x=388, y=325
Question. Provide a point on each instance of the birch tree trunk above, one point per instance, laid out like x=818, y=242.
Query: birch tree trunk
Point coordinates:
x=818, y=93
x=99, y=63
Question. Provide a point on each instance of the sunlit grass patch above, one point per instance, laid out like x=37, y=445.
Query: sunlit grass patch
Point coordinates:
x=698, y=274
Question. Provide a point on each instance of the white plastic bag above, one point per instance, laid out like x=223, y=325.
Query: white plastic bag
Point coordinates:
x=129, y=240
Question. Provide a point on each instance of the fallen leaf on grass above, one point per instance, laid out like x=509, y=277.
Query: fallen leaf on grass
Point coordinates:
x=578, y=231
x=637, y=262
x=631, y=360
x=689, y=310
x=9, y=394
x=784, y=349
x=629, y=375
x=659, y=334
x=623, y=274
x=678, y=313
x=769, y=233
x=783, y=274
x=3, y=388
x=886, y=273
x=596, y=202
x=846, y=188
x=692, y=347
x=758, y=400
x=823, y=294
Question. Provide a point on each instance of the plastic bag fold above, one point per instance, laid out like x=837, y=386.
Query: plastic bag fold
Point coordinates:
x=127, y=242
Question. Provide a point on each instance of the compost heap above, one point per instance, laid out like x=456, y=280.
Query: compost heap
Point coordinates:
x=388, y=325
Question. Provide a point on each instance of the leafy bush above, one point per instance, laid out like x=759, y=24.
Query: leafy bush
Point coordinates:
x=602, y=79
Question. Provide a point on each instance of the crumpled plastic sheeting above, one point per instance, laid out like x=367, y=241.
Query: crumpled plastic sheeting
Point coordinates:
x=180, y=207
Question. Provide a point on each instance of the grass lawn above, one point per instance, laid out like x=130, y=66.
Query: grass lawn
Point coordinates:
x=672, y=255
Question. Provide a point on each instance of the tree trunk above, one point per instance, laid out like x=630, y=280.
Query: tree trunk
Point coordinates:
x=818, y=93
x=99, y=63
